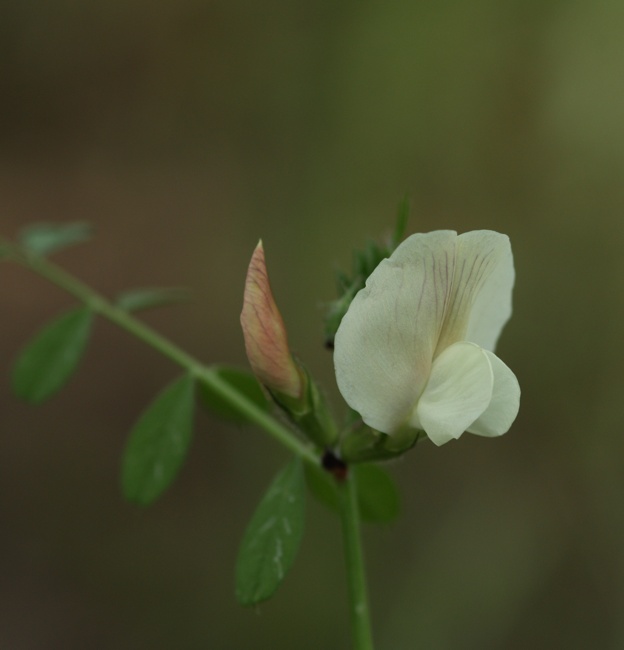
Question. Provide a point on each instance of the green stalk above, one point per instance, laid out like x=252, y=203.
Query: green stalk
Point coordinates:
x=126, y=321
x=349, y=510
x=356, y=575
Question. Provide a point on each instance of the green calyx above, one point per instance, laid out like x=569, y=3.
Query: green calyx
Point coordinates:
x=363, y=444
x=309, y=413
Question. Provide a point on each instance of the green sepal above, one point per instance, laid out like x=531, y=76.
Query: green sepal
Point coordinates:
x=49, y=360
x=47, y=238
x=242, y=381
x=141, y=299
x=310, y=413
x=363, y=444
x=158, y=443
x=272, y=538
x=378, y=496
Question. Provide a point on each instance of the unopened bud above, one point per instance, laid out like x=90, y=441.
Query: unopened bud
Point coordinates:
x=266, y=341
x=288, y=382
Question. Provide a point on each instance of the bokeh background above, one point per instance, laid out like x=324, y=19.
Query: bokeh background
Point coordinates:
x=184, y=130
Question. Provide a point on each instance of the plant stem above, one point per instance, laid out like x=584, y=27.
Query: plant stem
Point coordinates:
x=125, y=320
x=354, y=559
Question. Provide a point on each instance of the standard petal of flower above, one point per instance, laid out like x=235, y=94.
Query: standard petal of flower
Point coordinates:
x=503, y=408
x=480, y=301
x=492, y=305
x=458, y=392
x=384, y=345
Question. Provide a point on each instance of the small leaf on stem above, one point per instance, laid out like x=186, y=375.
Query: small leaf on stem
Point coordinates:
x=272, y=538
x=48, y=361
x=46, y=238
x=140, y=299
x=158, y=443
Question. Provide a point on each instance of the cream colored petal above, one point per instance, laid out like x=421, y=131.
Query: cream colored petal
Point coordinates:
x=458, y=392
x=385, y=343
x=503, y=408
x=480, y=300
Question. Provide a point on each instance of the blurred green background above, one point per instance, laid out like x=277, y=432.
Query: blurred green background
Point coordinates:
x=186, y=130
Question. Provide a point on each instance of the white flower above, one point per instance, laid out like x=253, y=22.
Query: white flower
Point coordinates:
x=415, y=349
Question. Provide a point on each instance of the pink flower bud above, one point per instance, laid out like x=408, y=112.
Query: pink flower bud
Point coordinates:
x=266, y=341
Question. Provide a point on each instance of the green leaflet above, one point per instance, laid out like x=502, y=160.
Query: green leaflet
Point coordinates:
x=272, y=538
x=158, y=443
x=140, y=299
x=378, y=497
x=241, y=380
x=46, y=238
x=48, y=361
x=323, y=486
x=377, y=494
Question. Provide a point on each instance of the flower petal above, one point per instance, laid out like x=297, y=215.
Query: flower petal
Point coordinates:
x=492, y=304
x=502, y=410
x=480, y=300
x=458, y=392
x=385, y=343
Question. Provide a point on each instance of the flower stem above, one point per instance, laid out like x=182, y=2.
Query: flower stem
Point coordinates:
x=354, y=558
x=126, y=321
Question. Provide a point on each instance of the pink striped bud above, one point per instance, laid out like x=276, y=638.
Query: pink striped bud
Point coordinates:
x=265, y=336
